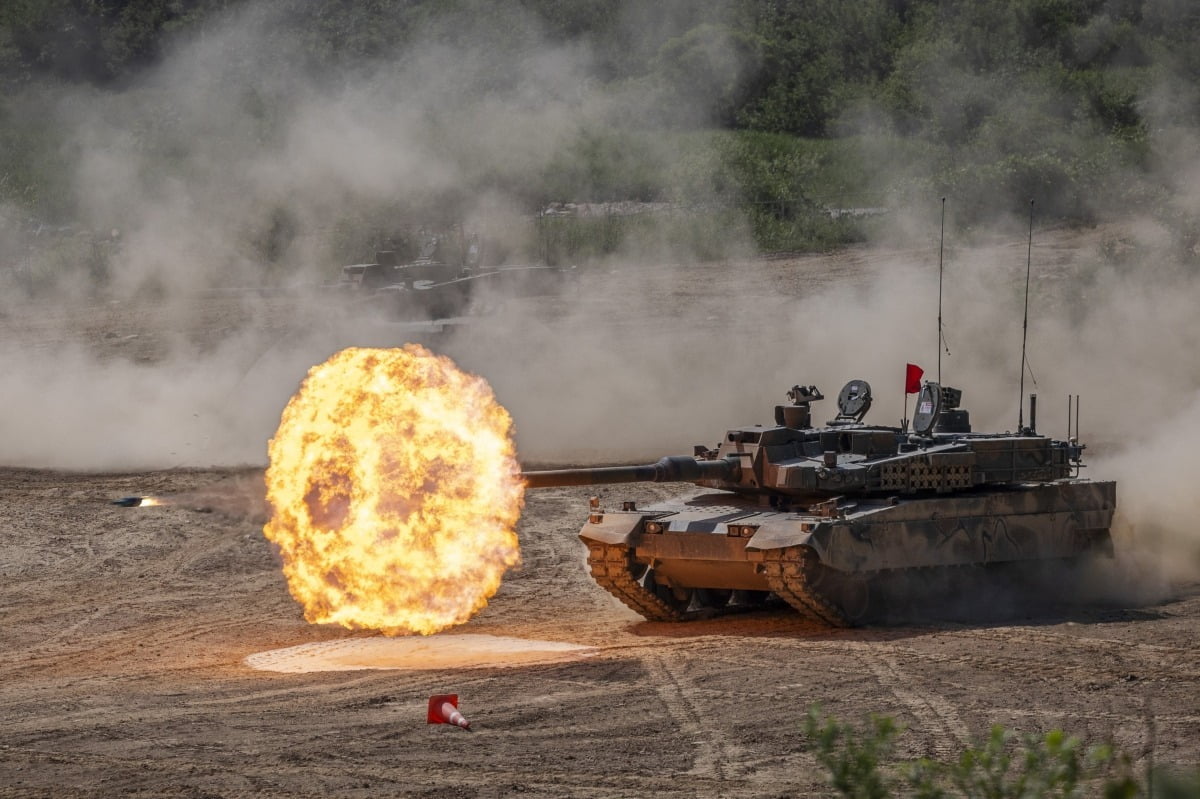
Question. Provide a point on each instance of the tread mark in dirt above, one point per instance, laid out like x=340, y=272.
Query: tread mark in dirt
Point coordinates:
x=1013, y=664
x=936, y=715
x=1132, y=719
x=708, y=749
x=1179, y=661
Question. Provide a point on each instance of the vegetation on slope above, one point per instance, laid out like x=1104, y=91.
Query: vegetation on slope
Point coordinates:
x=779, y=111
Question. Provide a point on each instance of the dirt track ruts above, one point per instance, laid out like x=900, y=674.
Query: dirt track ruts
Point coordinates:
x=124, y=633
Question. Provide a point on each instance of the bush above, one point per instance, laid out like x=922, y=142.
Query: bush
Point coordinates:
x=1001, y=767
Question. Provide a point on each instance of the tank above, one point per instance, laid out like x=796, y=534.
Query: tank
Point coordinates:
x=824, y=517
x=436, y=272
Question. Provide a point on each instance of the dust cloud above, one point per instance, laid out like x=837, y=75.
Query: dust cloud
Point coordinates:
x=232, y=149
x=654, y=360
x=235, y=169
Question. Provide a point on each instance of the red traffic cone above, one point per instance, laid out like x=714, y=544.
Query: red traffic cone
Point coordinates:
x=443, y=709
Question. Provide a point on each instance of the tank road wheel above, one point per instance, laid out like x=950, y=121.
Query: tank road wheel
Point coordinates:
x=793, y=574
x=678, y=599
x=712, y=598
x=749, y=599
x=615, y=570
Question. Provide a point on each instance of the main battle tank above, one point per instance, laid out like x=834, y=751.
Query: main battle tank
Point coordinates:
x=435, y=273
x=822, y=517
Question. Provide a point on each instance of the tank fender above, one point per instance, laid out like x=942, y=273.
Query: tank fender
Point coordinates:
x=780, y=534
x=612, y=528
x=842, y=546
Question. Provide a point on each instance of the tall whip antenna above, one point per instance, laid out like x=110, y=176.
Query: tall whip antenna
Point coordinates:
x=941, y=336
x=1025, y=326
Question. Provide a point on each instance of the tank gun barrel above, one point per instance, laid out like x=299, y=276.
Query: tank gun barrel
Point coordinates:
x=672, y=469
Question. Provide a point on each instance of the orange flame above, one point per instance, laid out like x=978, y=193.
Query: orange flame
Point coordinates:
x=395, y=491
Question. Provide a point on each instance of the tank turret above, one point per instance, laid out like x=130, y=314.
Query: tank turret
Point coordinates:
x=794, y=463
x=815, y=515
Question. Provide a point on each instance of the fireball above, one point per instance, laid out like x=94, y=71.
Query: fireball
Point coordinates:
x=395, y=490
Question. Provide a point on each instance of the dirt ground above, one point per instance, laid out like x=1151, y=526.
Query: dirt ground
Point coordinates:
x=125, y=632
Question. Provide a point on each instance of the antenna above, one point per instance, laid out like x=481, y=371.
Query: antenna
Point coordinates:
x=1025, y=326
x=941, y=336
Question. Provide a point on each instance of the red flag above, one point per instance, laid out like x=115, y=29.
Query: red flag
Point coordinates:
x=912, y=378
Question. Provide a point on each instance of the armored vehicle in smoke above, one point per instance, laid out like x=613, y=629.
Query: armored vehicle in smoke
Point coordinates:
x=435, y=273
x=821, y=517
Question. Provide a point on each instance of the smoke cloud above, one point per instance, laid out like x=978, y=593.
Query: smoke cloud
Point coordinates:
x=232, y=149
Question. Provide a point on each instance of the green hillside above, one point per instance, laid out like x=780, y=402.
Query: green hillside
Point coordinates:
x=776, y=112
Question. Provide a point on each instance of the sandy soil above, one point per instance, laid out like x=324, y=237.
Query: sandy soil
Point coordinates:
x=125, y=632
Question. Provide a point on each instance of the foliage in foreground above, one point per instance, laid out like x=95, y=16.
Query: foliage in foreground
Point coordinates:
x=860, y=766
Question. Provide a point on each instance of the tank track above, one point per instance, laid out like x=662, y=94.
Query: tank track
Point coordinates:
x=612, y=568
x=791, y=573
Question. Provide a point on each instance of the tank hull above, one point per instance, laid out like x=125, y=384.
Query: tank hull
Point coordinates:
x=829, y=555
